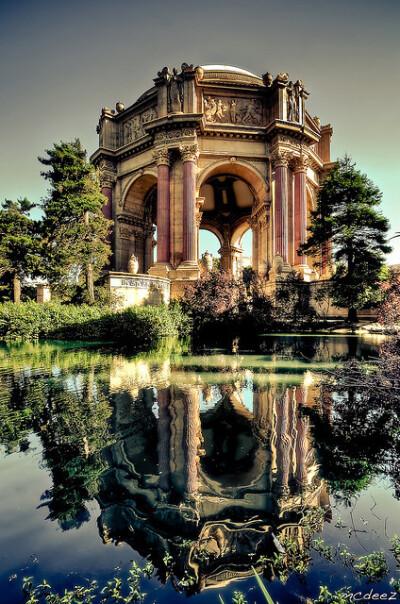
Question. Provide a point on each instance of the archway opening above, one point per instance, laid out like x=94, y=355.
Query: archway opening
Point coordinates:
x=244, y=254
x=209, y=242
x=228, y=203
x=137, y=225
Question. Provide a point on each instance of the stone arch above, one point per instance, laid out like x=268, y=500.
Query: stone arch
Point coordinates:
x=135, y=222
x=239, y=229
x=136, y=189
x=213, y=228
x=244, y=188
x=239, y=168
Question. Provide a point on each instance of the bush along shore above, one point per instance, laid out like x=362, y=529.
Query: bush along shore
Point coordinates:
x=137, y=326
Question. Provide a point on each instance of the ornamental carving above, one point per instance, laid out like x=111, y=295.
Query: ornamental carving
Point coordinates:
x=134, y=128
x=280, y=158
x=301, y=163
x=175, y=82
x=189, y=152
x=125, y=232
x=108, y=173
x=239, y=111
x=173, y=135
x=162, y=156
x=292, y=103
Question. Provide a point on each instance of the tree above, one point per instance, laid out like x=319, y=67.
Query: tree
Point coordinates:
x=389, y=308
x=19, y=242
x=75, y=229
x=351, y=232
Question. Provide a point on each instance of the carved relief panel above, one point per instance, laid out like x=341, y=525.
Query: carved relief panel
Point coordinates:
x=134, y=128
x=233, y=110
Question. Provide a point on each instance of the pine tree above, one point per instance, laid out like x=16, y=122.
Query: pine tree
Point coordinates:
x=19, y=242
x=352, y=233
x=75, y=229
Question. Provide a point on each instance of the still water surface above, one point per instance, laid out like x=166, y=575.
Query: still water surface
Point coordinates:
x=203, y=464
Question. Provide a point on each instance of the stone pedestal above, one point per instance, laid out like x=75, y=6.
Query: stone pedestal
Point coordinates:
x=43, y=294
x=306, y=273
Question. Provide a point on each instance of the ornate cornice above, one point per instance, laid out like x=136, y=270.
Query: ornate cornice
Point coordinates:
x=189, y=152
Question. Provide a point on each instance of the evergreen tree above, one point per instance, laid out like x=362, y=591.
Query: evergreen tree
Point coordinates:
x=75, y=229
x=351, y=232
x=19, y=242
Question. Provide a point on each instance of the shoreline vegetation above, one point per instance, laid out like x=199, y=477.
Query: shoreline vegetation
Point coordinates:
x=142, y=327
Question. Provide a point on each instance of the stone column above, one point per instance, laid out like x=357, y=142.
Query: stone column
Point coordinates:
x=163, y=205
x=280, y=162
x=192, y=439
x=300, y=208
x=148, y=248
x=283, y=443
x=164, y=437
x=199, y=215
x=108, y=179
x=189, y=155
x=302, y=442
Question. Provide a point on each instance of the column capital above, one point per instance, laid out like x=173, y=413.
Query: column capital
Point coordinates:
x=162, y=156
x=107, y=173
x=300, y=163
x=189, y=152
x=280, y=158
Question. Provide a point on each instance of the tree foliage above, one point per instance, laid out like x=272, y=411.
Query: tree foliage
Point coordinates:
x=352, y=234
x=75, y=229
x=389, y=309
x=19, y=242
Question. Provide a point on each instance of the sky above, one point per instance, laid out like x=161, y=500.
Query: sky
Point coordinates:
x=61, y=61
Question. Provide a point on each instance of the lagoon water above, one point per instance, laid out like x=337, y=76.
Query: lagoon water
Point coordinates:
x=202, y=464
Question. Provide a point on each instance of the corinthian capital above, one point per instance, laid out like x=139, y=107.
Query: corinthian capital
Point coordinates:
x=301, y=163
x=280, y=158
x=162, y=156
x=189, y=152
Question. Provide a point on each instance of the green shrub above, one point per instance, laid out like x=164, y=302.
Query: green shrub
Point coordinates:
x=137, y=326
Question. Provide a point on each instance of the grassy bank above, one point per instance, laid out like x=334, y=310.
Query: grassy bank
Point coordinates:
x=139, y=326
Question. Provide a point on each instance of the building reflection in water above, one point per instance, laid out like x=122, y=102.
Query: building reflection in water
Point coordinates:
x=213, y=472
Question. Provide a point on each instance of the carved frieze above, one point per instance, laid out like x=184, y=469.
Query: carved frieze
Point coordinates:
x=174, y=135
x=134, y=128
x=240, y=111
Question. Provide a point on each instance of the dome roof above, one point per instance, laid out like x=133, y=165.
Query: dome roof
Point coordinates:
x=228, y=73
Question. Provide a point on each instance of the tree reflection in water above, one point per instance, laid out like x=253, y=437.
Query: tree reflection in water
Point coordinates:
x=204, y=472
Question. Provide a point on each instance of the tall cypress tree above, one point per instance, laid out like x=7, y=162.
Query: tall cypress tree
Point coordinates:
x=75, y=229
x=351, y=230
x=19, y=242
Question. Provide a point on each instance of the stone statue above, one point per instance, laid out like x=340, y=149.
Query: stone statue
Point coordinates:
x=232, y=110
x=291, y=105
x=175, y=92
x=133, y=265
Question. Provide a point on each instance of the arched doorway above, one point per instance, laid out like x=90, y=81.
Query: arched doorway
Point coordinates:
x=136, y=224
x=231, y=194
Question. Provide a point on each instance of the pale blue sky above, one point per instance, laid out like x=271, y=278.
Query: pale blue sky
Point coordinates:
x=60, y=62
